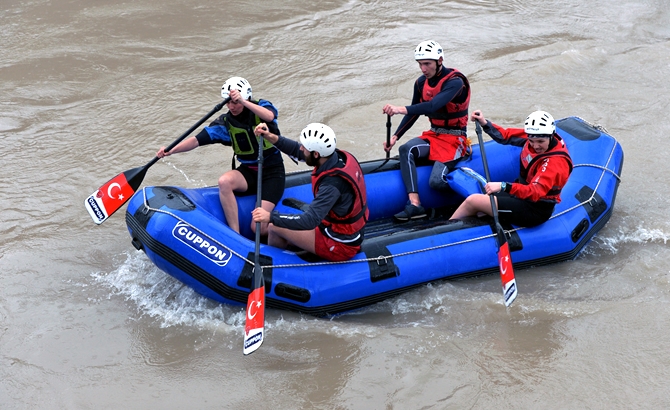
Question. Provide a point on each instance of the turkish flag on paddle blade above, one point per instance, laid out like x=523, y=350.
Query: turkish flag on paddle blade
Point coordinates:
x=102, y=203
x=505, y=262
x=115, y=193
x=108, y=198
x=507, y=274
x=255, y=320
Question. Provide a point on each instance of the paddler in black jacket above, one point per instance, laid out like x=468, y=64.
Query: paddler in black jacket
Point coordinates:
x=332, y=226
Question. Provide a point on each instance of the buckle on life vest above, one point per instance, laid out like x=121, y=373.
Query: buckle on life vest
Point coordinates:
x=440, y=130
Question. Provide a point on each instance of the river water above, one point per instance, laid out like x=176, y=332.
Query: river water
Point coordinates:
x=91, y=88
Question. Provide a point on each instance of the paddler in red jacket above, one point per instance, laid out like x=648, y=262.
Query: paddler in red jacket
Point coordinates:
x=545, y=168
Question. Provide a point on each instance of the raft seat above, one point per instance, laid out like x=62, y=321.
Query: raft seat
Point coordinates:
x=464, y=181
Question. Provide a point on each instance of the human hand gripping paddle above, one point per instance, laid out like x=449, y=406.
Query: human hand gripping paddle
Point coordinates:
x=504, y=259
x=102, y=203
x=255, y=320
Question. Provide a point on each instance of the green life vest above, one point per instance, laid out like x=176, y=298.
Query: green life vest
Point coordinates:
x=245, y=143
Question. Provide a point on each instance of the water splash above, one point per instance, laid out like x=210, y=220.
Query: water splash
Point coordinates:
x=171, y=303
x=161, y=297
x=640, y=235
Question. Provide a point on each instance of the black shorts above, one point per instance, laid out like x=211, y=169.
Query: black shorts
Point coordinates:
x=520, y=212
x=274, y=179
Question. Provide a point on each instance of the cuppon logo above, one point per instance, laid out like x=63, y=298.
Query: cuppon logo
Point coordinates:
x=202, y=243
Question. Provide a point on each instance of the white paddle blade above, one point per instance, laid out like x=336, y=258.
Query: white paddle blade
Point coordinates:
x=96, y=208
x=252, y=341
x=509, y=292
x=254, y=329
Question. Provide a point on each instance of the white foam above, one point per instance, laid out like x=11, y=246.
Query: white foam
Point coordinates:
x=171, y=303
x=160, y=296
x=639, y=235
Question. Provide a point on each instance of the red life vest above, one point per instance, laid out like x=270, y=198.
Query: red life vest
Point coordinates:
x=453, y=115
x=530, y=162
x=355, y=220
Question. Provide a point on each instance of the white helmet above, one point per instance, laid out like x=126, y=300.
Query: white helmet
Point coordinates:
x=539, y=122
x=318, y=137
x=428, y=50
x=236, y=83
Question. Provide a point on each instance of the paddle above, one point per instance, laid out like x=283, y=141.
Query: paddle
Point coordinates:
x=255, y=321
x=118, y=190
x=388, y=142
x=504, y=259
x=388, y=135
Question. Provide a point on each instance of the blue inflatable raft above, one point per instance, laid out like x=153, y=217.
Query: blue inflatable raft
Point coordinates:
x=184, y=232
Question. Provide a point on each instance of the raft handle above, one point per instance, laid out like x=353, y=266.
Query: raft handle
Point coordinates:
x=579, y=230
x=137, y=244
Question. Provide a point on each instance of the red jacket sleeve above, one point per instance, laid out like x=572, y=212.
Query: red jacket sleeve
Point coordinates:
x=551, y=172
x=506, y=136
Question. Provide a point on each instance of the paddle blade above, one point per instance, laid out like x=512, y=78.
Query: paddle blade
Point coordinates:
x=507, y=274
x=102, y=203
x=255, y=322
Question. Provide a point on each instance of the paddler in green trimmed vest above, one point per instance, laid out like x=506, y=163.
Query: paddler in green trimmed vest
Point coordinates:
x=236, y=128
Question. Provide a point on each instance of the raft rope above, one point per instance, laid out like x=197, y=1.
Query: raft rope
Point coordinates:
x=383, y=259
x=380, y=259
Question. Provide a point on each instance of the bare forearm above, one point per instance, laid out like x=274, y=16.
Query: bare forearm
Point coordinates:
x=263, y=113
x=186, y=145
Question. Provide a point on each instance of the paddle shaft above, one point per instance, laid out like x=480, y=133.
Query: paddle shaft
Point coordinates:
x=258, y=272
x=111, y=196
x=254, y=328
x=138, y=176
x=504, y=258
x=388, y=143
x=214, y=110
x=494, y=208
x=388, y=135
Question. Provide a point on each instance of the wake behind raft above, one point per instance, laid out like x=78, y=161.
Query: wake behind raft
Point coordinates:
x=184, y=231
